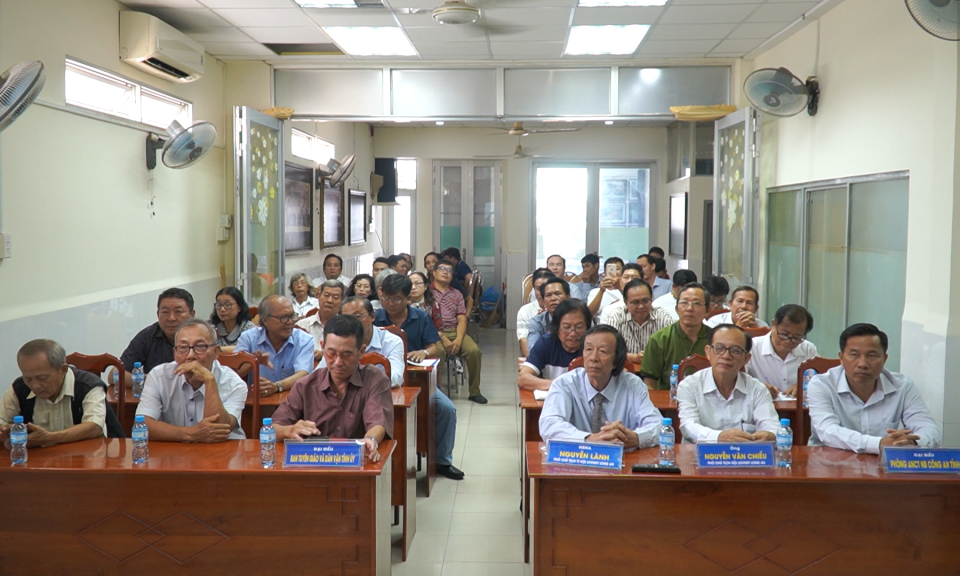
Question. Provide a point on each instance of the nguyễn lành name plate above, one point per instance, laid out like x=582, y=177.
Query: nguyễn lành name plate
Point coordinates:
x=588, y=454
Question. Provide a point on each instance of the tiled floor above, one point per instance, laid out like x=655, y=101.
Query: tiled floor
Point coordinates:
x=473, y=527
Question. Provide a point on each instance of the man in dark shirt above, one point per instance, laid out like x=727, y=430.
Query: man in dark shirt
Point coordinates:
x=342, y=400
x=153, y=345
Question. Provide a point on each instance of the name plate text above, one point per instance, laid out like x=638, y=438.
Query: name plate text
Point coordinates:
x=588, y=454
x=922, y=460
x=739, y=455
x=323, y=454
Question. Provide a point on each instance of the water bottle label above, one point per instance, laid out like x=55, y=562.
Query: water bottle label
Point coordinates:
x=784, y=442
x=266, y=437
x=667, y=439
x=18, y=437
x=140, y=435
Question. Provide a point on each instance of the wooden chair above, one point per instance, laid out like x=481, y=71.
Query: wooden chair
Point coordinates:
x=820, y=365
x=693, y=363
x=235, y=360
x=397, y=331
x=255, y=315
x=310, y=312
x=525, y=287
x=758, y=331
x=474, y=292
x=97, y=365
x=715, y=312
x=376, y=359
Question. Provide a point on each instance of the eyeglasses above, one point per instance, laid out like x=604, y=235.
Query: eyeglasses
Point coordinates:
x=224, y=306
x=443, y=269
x=284, y=319
x=360, y=315
x=793, y=339
x=418, y=283
x=394, y=299
x=332, y=355
x=644, y=302
x=735, y=351
x=685, y=304
x=578, y=329
x=198, y=348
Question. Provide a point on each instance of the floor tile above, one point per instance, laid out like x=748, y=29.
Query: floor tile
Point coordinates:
x=481, y=502
x=433, y=523
x=487, y=524
x=482, y=569
x=427, y=548
x=490, y=468
x=477, y=548
x=492, y=453
x=477, y=484
x=409, y=568
x=437, y=502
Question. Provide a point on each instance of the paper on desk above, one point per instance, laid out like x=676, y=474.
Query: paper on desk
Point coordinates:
x=784, y=398
x=540, y=394
x=425, y=363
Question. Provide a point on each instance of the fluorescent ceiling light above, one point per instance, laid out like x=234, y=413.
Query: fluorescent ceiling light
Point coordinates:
x=439, y=123
x=608, y=122
x=326, y=3
x=610, y=40
x=605, y=3
x=371, y=41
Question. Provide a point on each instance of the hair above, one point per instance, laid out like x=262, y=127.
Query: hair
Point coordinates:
x=650, y=259
x=385, y=274
x=748, y=341
x=55, y=353
x=266, y=305
x=632, y=266
x=380, y=260
x=795, y=314
x=659, y=265
x=717, y=285
x=568, y=306
x=351, y=290
x=746, y=289
x=656, y=251
x=451, y=252
x=198, y=322
x=357, y=300
x=706, y=293
x=406, y=257
x=863, y=329
x=331, y=255
x=237, y=295
x=297, y=276
x=636, y=283
x=555, y=280
x=620, y=355
x=396, y=284
x=684, y=277
x=178, y=293
x=394, y=259
x=445, y=261
x=344, y=326
x=540, y=273
x=590, y=258
x=562, y=259
x=427, y=293
x=427, y=255
x=613, y=260
x=332, y=284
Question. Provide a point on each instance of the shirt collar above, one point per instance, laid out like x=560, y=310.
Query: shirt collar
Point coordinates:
x=710, y=383
x=65, y=390
x=590, y=392
x=886, y=386
x=326, y=383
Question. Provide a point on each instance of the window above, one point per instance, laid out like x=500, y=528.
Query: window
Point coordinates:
x=101, y=91
x=407, y=174
x=309, y=147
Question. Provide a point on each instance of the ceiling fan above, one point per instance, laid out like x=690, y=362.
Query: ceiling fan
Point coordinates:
x=461, y=12
x=518, y=153
x=518, y=130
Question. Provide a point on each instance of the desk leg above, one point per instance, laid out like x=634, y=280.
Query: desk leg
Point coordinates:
x=404, y=473
x=426, y=420
x=381, y=484
x=531, y=433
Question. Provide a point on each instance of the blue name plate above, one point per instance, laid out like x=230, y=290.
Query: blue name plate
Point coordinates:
x=739, y=455
x=589, y=454
x=922, y=460
x=322, y=454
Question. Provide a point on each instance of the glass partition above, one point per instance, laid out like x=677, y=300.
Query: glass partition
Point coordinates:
x=826, y=268
x=784, y=257
x=561, y=216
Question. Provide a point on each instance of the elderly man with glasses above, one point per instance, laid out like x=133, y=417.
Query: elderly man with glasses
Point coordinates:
x=778, y=354
x=285, y=355
x=193, y=398
x=722, y=403
x=329, y=296
x=684, y=337
x=639, y=319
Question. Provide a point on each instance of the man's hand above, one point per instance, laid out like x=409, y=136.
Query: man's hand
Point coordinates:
x=194, y=371
x=457, y=343
x=763, y=436
x=636, y=359
x=774, y=391
x=317, y=355
x=899, y=438
x=208, y=430
x=370, y=448
x=304, y=428
x=267, y=387
x=609, y=435
x=417, y=355
x=737, y=435
x=745, y=319
x=791, y=391
x=608, y=284
x=447, y=344
x=37, y=436
x=629, y=438
x=263, y=358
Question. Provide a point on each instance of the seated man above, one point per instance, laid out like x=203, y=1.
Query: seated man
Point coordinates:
x=638, y=320
x=719, y=289
x=59, y=403
x=554, y=291
x=453, y=326
x=193, y=398
x=409, y=260
x=154, y=344
x=332, y=270
x=658, y=253
x=398, y=264
x=648, y=269
x=777, y=355
x=608, y=291
x=531, y=309
x=743, y=310
x=668, y=302
x=600, y=402
x=588, y=279
x=379, y=265
x=422, y=341
x=721, y=403
x=345, y=400
x=554, y=352
x=329, y=295
x=378, y=340
x=630, y=272
x=462, y=274
x=860, y=405
x=284, y=353
x=684, y=337
x=430, y=260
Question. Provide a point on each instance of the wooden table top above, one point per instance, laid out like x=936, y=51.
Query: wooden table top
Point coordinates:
x=660, y=398
x=405, y=396
x=115, y=454
x=810, y=463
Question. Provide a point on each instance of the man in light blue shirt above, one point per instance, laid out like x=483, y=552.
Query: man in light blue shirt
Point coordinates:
x=860, y=405
x=375, y=339
x=648, y=267
x=554, y=291
x=600, y=402
x=285, y=355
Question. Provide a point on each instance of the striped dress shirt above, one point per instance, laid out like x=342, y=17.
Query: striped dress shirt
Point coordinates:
x=635, y=334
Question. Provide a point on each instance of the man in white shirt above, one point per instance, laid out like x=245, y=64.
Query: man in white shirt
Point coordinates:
x=668, y=302
x=744, y=304
x=193, y=398
x=600, y=402
x=648, y=270
x=721, y=403
x=531, y=309
x=777, y=355
x=329, y=295
x=598, y=298
x=613, y=299
x=859, y=405
x=332, y=270
x=377, y=340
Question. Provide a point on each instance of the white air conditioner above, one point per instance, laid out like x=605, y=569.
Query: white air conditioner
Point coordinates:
x=152, y=45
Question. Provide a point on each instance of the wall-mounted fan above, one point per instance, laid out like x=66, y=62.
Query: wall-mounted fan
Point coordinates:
x=938, y=17
x=19, y=87
x=184, y=147
x=336, y=172
x=777, y=91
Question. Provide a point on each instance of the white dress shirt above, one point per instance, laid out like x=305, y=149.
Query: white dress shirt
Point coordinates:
x=568, y=408
x=705, y=413
x=168, y=397
x=609, y=297
x=314, y=327
x=669, y=304
x=301, y=309
x=388, y=345
x=840, y=419
x=526, y=312
x=766, y=365
x=342, y=279
x=727, y=318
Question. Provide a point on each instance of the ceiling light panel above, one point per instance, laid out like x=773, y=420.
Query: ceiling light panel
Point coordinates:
x=326, y=3
x=371, y=41
x=265, y=17
x=602, y=3
x=605, y=40
x=616, y=15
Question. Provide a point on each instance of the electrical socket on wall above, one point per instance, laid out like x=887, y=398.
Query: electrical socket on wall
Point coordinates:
x=5, y=250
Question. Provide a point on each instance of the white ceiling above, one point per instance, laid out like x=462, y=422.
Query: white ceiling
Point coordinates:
x=519, y=29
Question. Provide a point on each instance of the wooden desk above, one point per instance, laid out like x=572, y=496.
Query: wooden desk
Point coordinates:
x=426, y=380
x=130, y=407
x=193, y=509
x=404, y=472
x=834, y=513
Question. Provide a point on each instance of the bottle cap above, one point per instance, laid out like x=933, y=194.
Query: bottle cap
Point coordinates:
x=137, y=365
x=668, y=421
x=785, y=422
x=268, y=421
x=139, y=419
x=18, y=419
x=676, y=366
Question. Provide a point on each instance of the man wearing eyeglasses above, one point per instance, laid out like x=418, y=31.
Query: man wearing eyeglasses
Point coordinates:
x=285, y=354
x=778, y=354
x=453, y=326
x=329, y=295
x=684, y=337
x=744, y=303
x=377, y=340
x=722, y=403
x=639, y=319
x=193, y=398
x=668, y=302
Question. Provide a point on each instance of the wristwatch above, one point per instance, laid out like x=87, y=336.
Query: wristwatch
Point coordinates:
x=279, y=387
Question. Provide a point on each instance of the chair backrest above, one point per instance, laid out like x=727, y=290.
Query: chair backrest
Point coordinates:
x=525, y=287
x=693, y=363
x=311, y=312
x=378, y=359
x=758, y=331
x=475, y=288
x=255, y=315
x=715, y=312
x=98, y=364
x=235, y=361
x=397, y=331
x=821, y=365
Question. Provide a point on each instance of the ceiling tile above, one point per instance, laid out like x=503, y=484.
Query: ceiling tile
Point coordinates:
x=733, y=13
x=669, y=47
x=780, y=11
x=351, y=17
x=740, y=45
x=288, y=35
x=532, y=34
x=527, y=49
x=219, y=34
x=617, y=15
x=238, y=49
x=452, y=49
x=423, y=19
x=530, y=16
x=714, y=2
x=759, y=30
x=690, y=31
x=248, y=3
x=188, y=19
x=437, y=33
x=163, y=3
x=265, y=17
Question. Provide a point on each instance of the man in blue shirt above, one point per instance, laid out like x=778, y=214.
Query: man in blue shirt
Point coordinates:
x=554, y=291
x=285, y=355
x=422, y=339
x=554, y=352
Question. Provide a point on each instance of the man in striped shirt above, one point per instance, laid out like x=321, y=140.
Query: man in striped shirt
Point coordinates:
x=453, y=326
x=638, y=320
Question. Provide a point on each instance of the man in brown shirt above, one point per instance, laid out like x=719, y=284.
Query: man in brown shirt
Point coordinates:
x=343, y=400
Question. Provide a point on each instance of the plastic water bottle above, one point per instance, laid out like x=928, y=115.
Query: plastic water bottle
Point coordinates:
x=137, y=376
x=141, y=436
x=268, y=444
x=808, y=375
x=784, y=444
x=18, y=442
x=667, y=438
x=674, y=381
